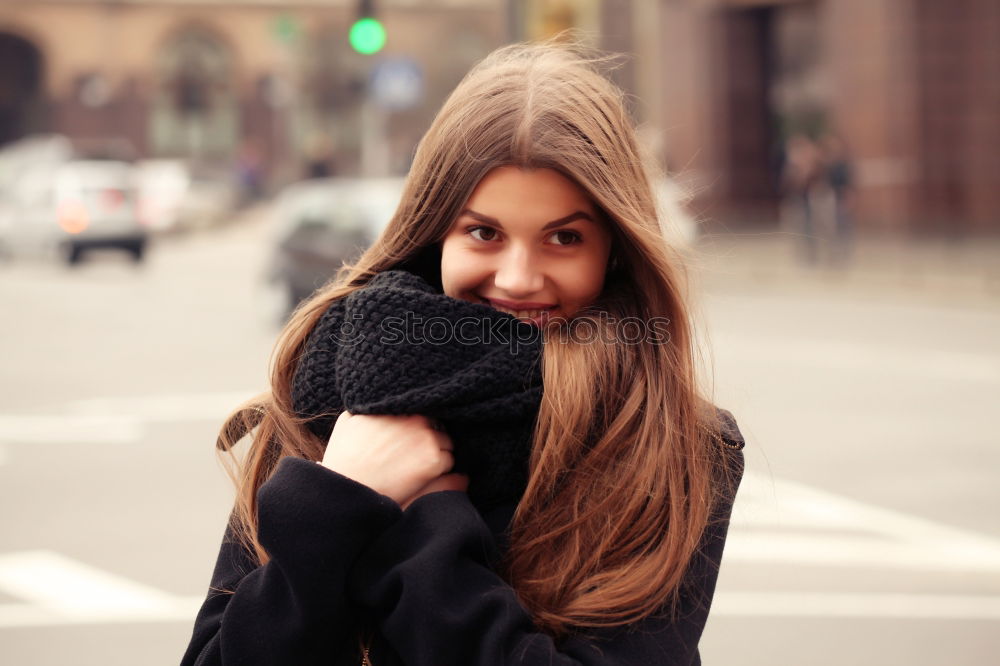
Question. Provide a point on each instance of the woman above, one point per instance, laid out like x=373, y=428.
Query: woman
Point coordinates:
x=411, y=494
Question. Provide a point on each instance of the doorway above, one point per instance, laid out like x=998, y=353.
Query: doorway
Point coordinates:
x=775, y=86
x=23, y=108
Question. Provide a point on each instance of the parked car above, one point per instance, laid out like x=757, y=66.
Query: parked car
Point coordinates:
x=16, y=158
x=210, y=199
x=320, y=224
x=74, y=206
x=162, y=186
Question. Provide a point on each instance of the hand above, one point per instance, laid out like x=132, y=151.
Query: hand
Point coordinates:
x=438, y=485
x=397, y=456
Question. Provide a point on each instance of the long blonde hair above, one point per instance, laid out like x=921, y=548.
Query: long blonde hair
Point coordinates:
x=624, y=470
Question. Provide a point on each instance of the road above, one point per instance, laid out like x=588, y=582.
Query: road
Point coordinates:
x=866, y=531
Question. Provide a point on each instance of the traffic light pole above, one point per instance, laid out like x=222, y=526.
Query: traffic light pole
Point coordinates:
x=374, y=140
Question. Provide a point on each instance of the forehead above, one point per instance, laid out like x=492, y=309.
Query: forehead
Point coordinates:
x=526, y=191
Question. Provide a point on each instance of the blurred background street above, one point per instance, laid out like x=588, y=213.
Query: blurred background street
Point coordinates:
x=176, y=175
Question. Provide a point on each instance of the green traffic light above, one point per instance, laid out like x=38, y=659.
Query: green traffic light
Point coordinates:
x=367, y=36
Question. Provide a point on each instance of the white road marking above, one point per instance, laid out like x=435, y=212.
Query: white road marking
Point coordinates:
x=840, y=605
x=82, y=429
x=12, y=616
x=169, y=407
x=780, y=521
x=842, y=356
x=59, y=590
x=117, y=420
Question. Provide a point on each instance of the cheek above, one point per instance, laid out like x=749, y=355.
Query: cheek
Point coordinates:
x=582, y=284
x=458, y=271
x=587, y=291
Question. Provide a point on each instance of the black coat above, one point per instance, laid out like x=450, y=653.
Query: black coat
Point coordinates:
x=423, y=575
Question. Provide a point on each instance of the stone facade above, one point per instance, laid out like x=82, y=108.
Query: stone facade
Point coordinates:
x=911, y=86
x=207, y=80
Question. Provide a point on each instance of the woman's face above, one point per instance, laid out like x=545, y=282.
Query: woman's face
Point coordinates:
x=528, y=242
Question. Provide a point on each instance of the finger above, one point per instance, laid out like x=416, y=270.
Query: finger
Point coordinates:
x=444, y=442
x=445, y=462
x=430, y=422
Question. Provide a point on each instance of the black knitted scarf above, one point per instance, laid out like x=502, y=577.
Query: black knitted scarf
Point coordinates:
x=400, y=346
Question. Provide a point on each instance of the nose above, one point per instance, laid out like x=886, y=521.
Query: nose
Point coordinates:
x=518, y=275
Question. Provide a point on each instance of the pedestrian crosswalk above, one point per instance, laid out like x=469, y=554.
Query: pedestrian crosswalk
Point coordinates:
x=118, y=420
x=780, y=521
x=903, y=606
x=776, y=522
x=52, y=589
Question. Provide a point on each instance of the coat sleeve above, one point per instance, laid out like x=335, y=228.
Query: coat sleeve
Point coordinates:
x=429, y=583
x=293, y=610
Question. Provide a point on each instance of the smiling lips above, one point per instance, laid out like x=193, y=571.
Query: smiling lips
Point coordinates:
x=534, y=312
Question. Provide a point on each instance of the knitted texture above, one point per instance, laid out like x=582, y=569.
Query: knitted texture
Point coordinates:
x=398, y=346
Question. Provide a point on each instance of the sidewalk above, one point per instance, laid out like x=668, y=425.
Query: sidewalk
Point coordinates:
x=942, y=272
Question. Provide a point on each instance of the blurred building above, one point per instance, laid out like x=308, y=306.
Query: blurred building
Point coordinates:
x=275, y=82
x=912, y=87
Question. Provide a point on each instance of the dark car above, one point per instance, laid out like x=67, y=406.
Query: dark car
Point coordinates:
x=320, y=224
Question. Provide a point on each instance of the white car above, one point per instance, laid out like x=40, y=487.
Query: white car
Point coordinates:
x=162, y=187
x=71, y=207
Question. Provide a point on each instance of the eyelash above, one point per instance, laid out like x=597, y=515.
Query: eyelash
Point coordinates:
x=577, y=238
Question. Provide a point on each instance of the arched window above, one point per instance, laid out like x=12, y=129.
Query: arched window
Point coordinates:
x=195, y=110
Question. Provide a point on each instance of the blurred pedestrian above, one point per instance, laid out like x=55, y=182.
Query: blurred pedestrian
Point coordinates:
x=802, y=185
x=840, y=181
x=249, y=173
x=411, y=493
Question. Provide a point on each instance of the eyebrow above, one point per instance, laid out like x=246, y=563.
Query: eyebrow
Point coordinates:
x=578, y=215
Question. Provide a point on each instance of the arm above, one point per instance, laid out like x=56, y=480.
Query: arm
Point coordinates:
x=428, y=581
x=313, y=523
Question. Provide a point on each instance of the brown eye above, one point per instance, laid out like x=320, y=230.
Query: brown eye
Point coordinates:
x=566, y=237
x=482, y=233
